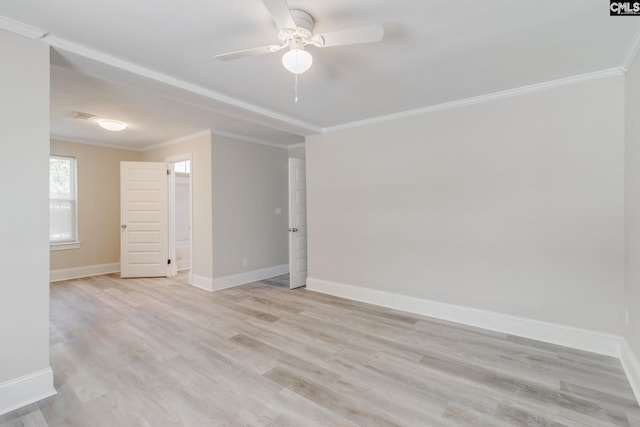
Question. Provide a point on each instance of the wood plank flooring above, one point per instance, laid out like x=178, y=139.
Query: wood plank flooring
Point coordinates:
x=158, y=352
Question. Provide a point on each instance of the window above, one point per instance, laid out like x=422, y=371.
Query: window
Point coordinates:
x=62, y=200
x=183, y=166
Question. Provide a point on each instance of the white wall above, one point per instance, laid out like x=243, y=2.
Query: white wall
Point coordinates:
x=237, y=187
x=632, y=205
x=297, y=152
x=249, y=183
x=513, y=206
x=24, y=218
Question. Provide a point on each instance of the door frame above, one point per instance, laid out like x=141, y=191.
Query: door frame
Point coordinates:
x=173, y=268
x=293, y=222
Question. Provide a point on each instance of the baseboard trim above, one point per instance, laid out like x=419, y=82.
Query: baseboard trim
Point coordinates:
x=201, y=282
x=249, y=276
x=85, y=271
x=24, y=390
x=568, y=336
x=631, y=366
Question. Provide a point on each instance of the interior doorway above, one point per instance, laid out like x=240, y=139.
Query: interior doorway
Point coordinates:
x=180, y=214
x=297, y=223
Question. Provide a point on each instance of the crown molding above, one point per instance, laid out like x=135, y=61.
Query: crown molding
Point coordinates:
x=301, y=145
x=538, y=87
x=206, y=132
x=211, y=132
x=122, y=64
x=247, y=139
x=20, y=28
x=96, y=144
x=632, y=53
x=54, y=41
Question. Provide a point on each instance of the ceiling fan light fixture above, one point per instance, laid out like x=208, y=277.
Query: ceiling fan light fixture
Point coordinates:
x=297, y=60
x=112, y=125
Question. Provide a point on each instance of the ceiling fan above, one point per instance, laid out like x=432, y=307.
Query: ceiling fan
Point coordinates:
x=296, y=32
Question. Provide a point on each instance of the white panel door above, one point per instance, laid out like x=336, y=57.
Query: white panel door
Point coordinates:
x=297, y=224
x=144, y=229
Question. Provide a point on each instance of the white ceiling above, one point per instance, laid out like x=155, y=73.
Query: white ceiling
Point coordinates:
x=153, y=115
x=164, y=81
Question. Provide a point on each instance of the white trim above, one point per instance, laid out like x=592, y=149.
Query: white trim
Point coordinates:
x=612, y=72
x=73, y=162
x=96, y=55
x=247, y=139
x=248, y=277
x=301, y=145
x=631, y=366
x=634, y=48
x=20, y=28
x=313, y=128
x=568, y=336
x=85, y=271
x=177, y=140
x=202, y=282
x=22, y=391
x=64, y=246
x=173, y=180
x=171, y=223
x=61, y=138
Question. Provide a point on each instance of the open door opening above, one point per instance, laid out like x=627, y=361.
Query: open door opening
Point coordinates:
x=180, y=215
x=297, y=223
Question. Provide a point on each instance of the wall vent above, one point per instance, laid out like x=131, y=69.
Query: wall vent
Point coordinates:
x=82, y=116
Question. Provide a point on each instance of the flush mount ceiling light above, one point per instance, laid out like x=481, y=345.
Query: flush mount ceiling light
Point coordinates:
x=112, y=125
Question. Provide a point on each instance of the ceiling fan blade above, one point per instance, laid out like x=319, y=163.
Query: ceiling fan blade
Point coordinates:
x=248, y=52
x=367, y=34
x=279, y=10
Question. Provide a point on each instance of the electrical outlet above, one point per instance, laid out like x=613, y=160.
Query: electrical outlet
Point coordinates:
x=278, y=211
x=245, y=262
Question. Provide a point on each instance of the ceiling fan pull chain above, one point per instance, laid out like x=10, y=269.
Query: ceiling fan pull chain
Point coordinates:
x=295, y=89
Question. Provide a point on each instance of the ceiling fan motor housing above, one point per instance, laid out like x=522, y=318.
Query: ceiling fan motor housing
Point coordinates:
x=304, y=31
x=296, y=32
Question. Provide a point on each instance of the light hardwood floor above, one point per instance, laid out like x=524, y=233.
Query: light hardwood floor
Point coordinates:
x=157, y=352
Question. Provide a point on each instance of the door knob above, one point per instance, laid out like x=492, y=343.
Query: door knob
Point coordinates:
x=293, y=229
x=123, y=226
